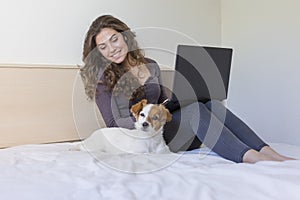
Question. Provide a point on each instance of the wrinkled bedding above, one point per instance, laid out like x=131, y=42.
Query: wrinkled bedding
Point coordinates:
x=51, y=171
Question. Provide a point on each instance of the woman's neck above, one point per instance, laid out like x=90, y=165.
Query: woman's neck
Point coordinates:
x=126, y=64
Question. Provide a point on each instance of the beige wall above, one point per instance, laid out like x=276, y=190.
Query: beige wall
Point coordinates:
x=35, y=104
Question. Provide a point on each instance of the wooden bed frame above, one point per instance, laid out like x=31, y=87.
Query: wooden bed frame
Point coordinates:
x=46, y=103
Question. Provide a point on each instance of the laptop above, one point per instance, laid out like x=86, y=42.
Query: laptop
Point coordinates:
x=201, y=74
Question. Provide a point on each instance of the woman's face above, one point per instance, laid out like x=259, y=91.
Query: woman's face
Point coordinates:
x=112, y=45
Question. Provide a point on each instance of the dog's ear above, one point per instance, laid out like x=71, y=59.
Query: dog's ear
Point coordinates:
x=136, y=108
x=169, y=115
x=144, y=102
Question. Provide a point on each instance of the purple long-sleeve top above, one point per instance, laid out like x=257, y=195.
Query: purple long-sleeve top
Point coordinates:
x=115, y=110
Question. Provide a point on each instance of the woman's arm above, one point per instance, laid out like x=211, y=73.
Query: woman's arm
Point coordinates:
x=109, y=110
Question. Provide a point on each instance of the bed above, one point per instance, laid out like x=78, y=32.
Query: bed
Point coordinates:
x=51, y=171
x=38, y=132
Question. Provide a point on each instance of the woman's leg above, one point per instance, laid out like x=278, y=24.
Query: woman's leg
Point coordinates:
x=179, y=137
x=236, y=125
x=197, y=119
x=242, y=131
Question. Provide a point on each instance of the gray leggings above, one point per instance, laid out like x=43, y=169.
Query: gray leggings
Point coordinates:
x=215, y=126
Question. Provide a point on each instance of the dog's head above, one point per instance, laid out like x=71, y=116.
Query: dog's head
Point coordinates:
x=150, y=117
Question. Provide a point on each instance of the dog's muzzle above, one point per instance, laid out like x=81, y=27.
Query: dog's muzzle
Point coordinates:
x=145, y=125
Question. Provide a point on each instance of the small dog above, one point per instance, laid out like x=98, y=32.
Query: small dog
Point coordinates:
x=146, y=138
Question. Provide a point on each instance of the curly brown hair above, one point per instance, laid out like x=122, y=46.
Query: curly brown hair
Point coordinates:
x=95, y=63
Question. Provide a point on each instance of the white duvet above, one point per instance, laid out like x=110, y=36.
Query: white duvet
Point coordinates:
x=51, y=171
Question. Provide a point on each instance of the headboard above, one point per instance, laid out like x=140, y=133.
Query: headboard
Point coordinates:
x=46, y=103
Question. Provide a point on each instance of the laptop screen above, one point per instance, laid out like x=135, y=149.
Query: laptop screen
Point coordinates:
x=201, y=73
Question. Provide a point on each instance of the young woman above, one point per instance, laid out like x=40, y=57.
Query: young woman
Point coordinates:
x=117, y=75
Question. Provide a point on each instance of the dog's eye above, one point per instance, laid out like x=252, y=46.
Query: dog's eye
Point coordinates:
x=142, y=114
x=154, y=117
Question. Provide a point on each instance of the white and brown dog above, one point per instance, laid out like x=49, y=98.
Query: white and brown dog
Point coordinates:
x=146, y=138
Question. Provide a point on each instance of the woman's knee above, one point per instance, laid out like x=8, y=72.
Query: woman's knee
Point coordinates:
x=194, y=107
x=214, y=103
x=201, y=109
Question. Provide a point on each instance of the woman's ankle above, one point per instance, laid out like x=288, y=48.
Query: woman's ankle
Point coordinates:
x=253, y=156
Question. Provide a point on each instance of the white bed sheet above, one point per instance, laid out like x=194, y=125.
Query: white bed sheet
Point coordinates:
x=51, y=171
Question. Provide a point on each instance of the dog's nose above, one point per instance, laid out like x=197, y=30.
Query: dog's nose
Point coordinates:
x=145, y=124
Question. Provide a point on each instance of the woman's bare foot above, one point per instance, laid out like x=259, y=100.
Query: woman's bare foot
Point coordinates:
x=253, y=156
x=266, y=150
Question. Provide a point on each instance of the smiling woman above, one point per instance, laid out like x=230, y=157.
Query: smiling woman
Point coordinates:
x=111, y=45
x=117, y=75
x=108, y=43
